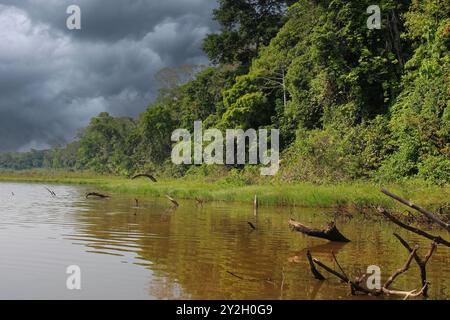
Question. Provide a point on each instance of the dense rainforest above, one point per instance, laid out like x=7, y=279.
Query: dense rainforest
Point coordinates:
x=350, y=102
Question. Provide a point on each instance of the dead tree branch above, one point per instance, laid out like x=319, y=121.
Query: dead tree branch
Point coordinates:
x=423, y=211
x=174, y=202
x=402, y=270
x=421, y=263
x=355, y=286
x=50, y=191
x=314, y=270
x=422, y=233
x=146, y=175
x=96, y=194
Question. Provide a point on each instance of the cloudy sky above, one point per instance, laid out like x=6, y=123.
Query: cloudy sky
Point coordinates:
x=53, y=80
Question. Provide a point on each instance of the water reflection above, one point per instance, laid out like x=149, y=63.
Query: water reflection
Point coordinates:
x=192, y=252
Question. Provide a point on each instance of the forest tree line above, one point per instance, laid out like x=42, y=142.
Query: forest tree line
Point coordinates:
x=350, y=103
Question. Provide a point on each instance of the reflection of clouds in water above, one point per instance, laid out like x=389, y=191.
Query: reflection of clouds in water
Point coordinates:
x=187, y=253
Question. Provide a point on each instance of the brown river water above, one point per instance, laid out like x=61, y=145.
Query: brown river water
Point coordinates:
x=153, y=252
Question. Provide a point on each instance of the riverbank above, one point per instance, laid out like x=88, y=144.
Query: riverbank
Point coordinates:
x=361, y=194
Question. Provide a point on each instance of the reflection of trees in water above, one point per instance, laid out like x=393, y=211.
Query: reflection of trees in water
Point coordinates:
x=190, y=250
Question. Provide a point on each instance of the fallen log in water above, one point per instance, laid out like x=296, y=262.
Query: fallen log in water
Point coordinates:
x=331, y=233
x=423, y=211
x=146, y=175
x=96, y=194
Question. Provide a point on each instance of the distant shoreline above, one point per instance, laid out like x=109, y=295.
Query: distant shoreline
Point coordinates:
x=358, y=194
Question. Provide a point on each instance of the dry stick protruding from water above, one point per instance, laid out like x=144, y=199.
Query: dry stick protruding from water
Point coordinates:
x=50, y=191
x=199, y=201
x=355, y=286
x=146, y=175
x=96, y=194
x=331, y=233
x=175, y=203
x=314, y=270
x=421, y=263
x=423, y=211
x=422, y=233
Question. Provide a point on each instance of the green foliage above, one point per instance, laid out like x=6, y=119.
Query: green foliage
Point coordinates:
x=420, y=117
x=351, y=103
x=102, y=144
x=435, y=169
x=245, y=25
x=156, y=126
x=245, y=106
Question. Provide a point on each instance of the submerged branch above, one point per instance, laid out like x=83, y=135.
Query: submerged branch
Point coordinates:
x=421, y=263
x=96, y=194
x=355, y=286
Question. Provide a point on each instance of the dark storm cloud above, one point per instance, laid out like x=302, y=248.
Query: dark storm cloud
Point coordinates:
x=52, y=80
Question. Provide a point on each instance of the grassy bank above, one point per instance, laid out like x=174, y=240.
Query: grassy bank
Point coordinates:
x=300, y=194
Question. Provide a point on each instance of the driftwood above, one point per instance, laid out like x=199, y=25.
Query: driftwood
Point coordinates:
x=146, y=175
x=423, y=211
x=331, y=233
x=175, y=203
x=251, y=225
x=390, y=216
x=96, y=194
x=356, y=287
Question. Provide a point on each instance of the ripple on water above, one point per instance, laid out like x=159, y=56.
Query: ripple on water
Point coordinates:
x=192, y=252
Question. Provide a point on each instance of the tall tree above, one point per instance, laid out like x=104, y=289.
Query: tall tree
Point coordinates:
x=245, y=25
